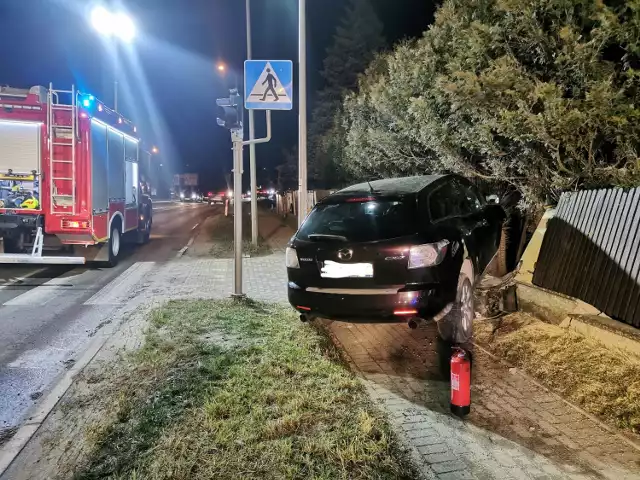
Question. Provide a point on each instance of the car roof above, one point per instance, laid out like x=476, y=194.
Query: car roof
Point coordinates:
x=392, y=186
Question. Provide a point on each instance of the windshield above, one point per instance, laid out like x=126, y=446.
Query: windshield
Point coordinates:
x=360, y=221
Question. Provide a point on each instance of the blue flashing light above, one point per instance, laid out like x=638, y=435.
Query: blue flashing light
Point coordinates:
x=88, y=100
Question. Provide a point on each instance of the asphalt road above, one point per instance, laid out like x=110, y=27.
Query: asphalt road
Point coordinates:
x=45, y=321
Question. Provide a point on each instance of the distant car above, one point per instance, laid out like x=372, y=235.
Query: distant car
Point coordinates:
x=191, y=195
x=216, y=197
x=398, y=250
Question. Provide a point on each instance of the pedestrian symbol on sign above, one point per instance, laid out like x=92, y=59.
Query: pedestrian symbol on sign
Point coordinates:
x=273, y=82
x=269, y=84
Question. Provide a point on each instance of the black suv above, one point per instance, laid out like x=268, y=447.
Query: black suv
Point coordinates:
x=402, y=249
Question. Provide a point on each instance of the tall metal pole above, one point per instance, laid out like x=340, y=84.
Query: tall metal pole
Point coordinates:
x=237, y=213
x=302, y=99
x=116, y=74
x=252, y=147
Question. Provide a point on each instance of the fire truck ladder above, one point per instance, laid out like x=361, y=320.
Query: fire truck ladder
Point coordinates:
x=62, y=135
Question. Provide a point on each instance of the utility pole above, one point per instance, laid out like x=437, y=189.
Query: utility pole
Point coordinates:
x=116, y=74
x=302, y=127
x=252, y=147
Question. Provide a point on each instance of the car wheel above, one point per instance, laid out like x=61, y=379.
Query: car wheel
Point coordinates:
x=457, y=325
x=115, y=243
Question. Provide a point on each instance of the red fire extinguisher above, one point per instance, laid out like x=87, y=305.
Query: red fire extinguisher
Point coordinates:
x=460, y=382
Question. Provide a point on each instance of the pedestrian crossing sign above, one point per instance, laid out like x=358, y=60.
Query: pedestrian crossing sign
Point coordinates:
x=268, y=84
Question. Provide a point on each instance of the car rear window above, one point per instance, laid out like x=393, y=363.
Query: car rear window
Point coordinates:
x=360, y=221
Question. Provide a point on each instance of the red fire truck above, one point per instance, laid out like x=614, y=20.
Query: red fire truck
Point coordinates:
x=69, y=178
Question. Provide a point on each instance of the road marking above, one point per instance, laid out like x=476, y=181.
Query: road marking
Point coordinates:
x=42, y=294
x=19, y=280
x=184, y=249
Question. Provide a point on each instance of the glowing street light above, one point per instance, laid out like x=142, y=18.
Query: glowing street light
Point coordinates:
x=116, y=24
x=154, y=150
x=223, y=69
x=113, y=25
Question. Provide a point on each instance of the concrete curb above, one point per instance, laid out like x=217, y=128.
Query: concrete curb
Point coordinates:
x=576, y=315
x=13, y=447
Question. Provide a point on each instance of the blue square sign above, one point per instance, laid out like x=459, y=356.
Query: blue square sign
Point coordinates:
x=268, y=84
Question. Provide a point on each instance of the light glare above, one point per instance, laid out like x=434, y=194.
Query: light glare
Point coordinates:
x=102, y=20
x=116, y=24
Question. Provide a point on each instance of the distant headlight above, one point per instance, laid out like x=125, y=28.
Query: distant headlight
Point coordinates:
x=194, y=196
x=182, y=195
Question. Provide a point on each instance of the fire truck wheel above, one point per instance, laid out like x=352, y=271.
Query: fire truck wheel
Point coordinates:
x=457, y=325
x=115, y=242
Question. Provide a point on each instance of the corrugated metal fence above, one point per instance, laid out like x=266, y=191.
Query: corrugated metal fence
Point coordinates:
x=591, y=251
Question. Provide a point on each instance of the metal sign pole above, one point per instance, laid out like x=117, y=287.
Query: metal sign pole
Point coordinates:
x=302, y=128
x=252, y=147
x=237, y=215
x=238, y=145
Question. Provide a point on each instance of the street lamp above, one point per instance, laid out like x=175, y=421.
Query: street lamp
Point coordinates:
x=223, y=69
x=154, y=150
x=116, y=25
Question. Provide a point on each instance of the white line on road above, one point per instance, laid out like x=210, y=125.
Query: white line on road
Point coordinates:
x=184, y=249
x=19, y=280
x=195, y=226
x=46, y=292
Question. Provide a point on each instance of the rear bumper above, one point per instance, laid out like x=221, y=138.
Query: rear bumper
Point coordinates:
x=380, y=306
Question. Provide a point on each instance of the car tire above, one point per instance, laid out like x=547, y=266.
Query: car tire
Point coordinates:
x=115, y=244
x=457, y=326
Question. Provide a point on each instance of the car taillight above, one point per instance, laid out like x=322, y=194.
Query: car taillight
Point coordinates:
x=291, y=258
x=427, y=255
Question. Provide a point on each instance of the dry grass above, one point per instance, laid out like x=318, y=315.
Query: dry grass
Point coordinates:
x=221, y=237
x=239, y=390
x=604, y=382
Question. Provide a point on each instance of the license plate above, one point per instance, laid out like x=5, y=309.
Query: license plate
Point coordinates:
x=346, y=270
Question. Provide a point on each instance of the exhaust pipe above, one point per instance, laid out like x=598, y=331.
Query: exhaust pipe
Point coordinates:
x=307, y=317
x=413, y=322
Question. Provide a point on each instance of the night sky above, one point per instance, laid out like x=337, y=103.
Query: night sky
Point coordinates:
x=168, y=80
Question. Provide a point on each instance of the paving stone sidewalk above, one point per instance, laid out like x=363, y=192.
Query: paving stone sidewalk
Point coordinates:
x=517, y=429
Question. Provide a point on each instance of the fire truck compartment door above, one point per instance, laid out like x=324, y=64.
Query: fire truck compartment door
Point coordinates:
x=116, y=174
x=132, y=183
x=20, y=147
x=99, y=168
